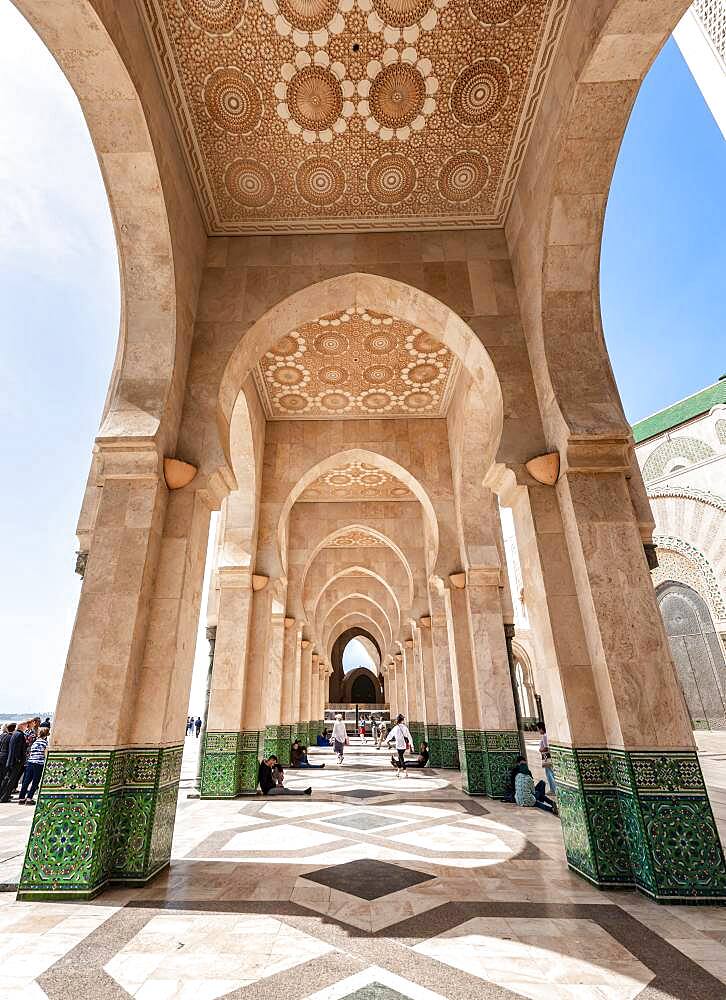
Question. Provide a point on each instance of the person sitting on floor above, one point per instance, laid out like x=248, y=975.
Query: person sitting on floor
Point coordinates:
x=512, y=776
x=299, y=756
x=270, y=778
x=526, y=793
x=322, y=740
x=421, y=761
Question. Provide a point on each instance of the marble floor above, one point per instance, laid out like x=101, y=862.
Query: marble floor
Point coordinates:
x=376, y=888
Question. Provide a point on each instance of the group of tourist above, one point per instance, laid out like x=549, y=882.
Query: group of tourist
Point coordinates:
x=23, y=748
x=521, y=788
x=194, y=725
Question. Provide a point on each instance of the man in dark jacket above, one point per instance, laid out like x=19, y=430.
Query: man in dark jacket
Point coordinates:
x=270, y=777
x=17, y=754
x=4, y=744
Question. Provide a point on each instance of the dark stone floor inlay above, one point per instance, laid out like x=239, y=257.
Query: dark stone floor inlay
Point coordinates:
x=375, y=991
x=367, y=879
x=362, y=821
x=362, y=793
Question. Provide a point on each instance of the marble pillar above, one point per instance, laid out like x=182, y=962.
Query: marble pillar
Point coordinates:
x=107, y=803
x=415, y=714
x=304, y=731
x=221, y=752
x=442, y=738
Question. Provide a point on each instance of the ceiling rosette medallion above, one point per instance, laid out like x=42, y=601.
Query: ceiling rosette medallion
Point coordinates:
x=391, y=179
x=308, y=21
x=233, y=101
x=249, y=183
x=480, y=92
x=314, y=97
x=496, y=12
x=217, y=17
x=397, y=94
x=463, y=176
x=401, y=19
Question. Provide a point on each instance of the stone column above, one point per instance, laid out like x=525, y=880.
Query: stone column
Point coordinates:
x=278, y=735
x=427, y=680
x=443, y=743
x=314, y=692
x=211, y=634
x=306, y=668
x=291, y=673
x=401, y=702
x=415, y=715
x=252, y=743
x=483, y=698
x=111, y=779
x=632, y=800
x=221, y=752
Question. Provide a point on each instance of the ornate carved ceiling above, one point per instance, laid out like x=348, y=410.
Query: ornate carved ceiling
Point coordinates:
x=356, y=538
x=356, y=363
x=356, y=481
x=309, y=115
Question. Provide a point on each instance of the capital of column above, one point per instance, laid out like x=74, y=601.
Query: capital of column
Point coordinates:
x=601, y=455
x=234, y=577
x=127, y=458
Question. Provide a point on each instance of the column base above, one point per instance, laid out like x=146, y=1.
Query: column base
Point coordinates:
x=278, y=740
x=640, y=819
x=443, y=746
x=103, y=816
x=418, y=733
x=230, y=763
x=486, y=759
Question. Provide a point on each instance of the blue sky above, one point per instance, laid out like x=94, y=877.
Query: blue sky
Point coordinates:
x=662, y=300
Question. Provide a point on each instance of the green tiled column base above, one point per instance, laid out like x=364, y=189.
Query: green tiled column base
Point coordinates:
x=278, y=740
x=486, y=758
x=418, y=733
x=102, y=816
x=301, y=731
x=443, y=746
x=229, y=764
x=640, y=818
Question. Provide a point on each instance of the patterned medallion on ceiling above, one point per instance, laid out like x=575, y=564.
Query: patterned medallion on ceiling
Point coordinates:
x=356, y=481
x=356, y=363
x=315, y=115
x=356, y=538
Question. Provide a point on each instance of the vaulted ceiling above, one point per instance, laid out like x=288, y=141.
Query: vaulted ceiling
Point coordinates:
x=356, y=481
x=315, y=115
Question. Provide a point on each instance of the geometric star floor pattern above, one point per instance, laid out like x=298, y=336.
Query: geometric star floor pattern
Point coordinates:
x=377, y=888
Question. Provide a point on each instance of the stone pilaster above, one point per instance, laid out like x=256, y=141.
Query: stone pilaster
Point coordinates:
x=102, y=816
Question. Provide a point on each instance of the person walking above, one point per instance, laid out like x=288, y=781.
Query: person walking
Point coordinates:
x=339, y=737
x=362, y=732
x=544, y=749
x=380, y=733
x=34, y=768
x=198, y=726
x=401, y=737
x=17, y=755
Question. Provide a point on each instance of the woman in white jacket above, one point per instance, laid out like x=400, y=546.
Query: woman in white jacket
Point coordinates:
x=339, y=737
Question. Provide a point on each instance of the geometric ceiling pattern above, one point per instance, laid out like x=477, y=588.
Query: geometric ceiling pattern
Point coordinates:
x=356, y=363
x=356, y=481
x=356, y=538
x=310, y=115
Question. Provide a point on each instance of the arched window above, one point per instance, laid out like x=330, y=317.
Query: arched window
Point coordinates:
x=363, y=692
x=696, y=652
x=689, y=449
x=522, y=693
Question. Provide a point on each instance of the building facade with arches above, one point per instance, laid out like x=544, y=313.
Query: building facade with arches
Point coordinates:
x=361, y=315
x=682, y=454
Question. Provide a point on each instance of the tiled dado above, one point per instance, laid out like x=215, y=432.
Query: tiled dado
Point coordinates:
x=278, y=740
x=640, y=818
x=418, y=733
x=443, y=746
x=102, y=816
x=486, y=758
x=301, y=732
x=229, y=763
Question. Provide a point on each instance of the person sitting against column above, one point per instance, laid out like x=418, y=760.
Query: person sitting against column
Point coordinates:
x=299, y=756
x=34, y=768
x=421, y=761
x=271, y=777
x=527, y=794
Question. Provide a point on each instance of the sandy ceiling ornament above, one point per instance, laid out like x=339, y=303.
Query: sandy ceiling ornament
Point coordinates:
x=397, y=94
x=314, y=97
x=306, y=21
x=401, y=19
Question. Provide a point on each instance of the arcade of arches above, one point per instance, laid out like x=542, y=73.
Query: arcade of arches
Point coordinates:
x=360, y=296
